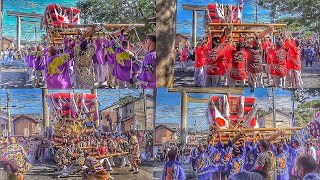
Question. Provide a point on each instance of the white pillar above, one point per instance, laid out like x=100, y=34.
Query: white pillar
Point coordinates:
x=194, y=28
x=18, y=31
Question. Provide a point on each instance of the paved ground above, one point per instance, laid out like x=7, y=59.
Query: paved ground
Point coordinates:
x=45, y=171
x=310, y=75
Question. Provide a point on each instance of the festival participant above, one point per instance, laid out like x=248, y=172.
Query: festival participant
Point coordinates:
x=134, y=152
x=309, y=55
x=278, y=68
x=125, y=67
x=29, y=60
x=282, y=161
x=40, y=65
x=311, y=150
x=173, y=169
x=215, y=66
x=69, y=45
x=266, y=45
x=250, y=155
x=194, y=154
x=294, y=152
x=99, y=63
x=111, y=148
x=214, y=152
x=147, y=76
x=83, y=52
x=293, y=61
x=94, y=169
x=203, y=164
x=254, y=65
x=184, y=59
x=103, y=151
x=238, y=62
x=265, y=162
x=199, y=66
x=306, y=168
x=16, y=164
x=124, y=147
x=110, y=56
x=57, y=75
x=228, y=49
x=235, y=164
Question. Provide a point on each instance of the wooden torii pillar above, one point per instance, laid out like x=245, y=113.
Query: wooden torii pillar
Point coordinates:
x=185, y=99
x=18, y=15
x=194, y=9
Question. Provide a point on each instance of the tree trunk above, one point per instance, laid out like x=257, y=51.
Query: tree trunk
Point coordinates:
x=166, y=34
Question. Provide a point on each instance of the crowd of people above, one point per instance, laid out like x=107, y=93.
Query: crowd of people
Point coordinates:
x=93, y=155
x=85, y=62
x=283, y=160
x=250, y=60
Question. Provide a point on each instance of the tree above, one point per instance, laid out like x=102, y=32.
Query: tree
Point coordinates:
x=305, y=13
x=120, y=12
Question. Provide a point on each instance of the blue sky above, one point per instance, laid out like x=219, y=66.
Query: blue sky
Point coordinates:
x=169, y=109
x=29, y=101
x=184, y=18
x=27, y=30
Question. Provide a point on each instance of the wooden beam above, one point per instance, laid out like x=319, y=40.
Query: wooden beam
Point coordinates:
x=248, y=129
x=241, y=31
x=194, y=7
x=198, y=100
x=247, y=24
x=104, y=25
x=23, y=14
x=208, y=90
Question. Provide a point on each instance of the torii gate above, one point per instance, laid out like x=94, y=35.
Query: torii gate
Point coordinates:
x=194, y=9
x=18, y=15
x=185, y=99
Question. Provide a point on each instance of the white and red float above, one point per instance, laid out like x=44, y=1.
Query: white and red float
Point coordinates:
x=73, y=114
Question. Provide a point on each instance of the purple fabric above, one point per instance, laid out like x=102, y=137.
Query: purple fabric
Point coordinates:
x=30, y=60
x=68, y=50
x=110, y=56
x=99, y=52
x=61, y=80
x=175, y=169
x=123, y=72
x=148, y=73
x=204, y=166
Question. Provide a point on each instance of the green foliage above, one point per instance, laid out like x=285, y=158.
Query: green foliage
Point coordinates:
x=124, y=100
x=120, y=12
x=301, y=13
x=261, y=112
x=303, y=116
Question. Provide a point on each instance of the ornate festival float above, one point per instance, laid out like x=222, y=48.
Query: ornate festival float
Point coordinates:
x=60, y=22
x=219, y=17
x=235, y=117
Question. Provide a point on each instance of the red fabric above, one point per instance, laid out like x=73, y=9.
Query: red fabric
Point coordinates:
x=293, y=61
x=279, y=66
x=265, y=45
x=254, y=60
x=184, y=55
x=238, y=62
x=103, y=150
x=215, y=63
x=199, y=60
x=227, y=54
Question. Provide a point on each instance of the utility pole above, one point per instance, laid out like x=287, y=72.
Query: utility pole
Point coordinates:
x=256, y=11
x=1, y=19
x=8, y=113
x=145, y=109
x=273, y=108
x=35, y=34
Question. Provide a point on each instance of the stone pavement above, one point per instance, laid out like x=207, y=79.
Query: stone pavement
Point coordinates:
x=46, y=171
x=310, y=75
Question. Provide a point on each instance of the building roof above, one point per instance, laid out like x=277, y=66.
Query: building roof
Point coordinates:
x=8, y=39
x=125, y=101
x=278, y=112
x=35, y=117
x=184, y=35
x=171, y=126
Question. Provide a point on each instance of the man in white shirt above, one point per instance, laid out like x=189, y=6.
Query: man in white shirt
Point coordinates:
x=311, y=150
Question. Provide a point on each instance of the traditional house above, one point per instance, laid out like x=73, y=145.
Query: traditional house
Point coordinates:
x=166, y=133
x=283, y=119
x=7, y=42
x=27, y=125
x=181, y=40
x=129, y=113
